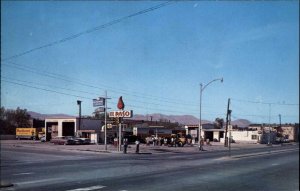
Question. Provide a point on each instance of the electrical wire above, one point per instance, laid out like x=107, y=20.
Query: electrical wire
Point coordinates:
x=87, y=84
x=266, y=103
x=89, y=98
x=113, y=22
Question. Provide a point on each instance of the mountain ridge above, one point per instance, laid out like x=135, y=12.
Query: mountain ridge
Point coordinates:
x=180, y=119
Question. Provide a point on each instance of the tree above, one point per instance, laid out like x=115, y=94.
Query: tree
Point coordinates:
x=22, y=118
x=11, y=119
x=99, y=115
x=219, y=123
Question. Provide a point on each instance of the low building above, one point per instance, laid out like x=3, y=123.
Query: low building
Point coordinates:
x=208, y=132
x=289, y=131
x=69, y=126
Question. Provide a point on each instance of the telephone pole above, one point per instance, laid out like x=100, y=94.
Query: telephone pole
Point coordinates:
x=79, y=103
x=226, y=128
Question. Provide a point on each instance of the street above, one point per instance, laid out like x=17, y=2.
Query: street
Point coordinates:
x=268, y=168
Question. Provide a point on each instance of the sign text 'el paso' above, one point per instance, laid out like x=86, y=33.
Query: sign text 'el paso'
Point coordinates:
x=125, y=114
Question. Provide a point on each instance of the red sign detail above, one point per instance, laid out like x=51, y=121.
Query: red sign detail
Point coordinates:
x=121, y=103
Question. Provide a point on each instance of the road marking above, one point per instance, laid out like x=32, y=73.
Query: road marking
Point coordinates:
x=38, y=181
x=275, y=164
x=24, y=173
x=88, y=188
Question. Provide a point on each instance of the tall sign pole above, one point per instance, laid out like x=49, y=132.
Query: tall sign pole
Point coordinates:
x=120, y=114
x=101, y=103
x=121, y=107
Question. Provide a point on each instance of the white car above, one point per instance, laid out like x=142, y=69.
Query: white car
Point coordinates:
x=43, y=139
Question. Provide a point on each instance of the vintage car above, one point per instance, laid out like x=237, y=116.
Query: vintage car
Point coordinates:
x=68, y=140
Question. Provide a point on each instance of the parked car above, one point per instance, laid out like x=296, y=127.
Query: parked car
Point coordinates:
x=286, y=140
x=43, y=139
x=63, y=140
x=85, y=141
x=78, y=141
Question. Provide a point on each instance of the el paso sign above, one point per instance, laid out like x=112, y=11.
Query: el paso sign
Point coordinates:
x=125, y=114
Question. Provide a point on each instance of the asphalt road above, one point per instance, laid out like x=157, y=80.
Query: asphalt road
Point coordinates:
x=274, y=168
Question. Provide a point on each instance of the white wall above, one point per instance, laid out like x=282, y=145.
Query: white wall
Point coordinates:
x=59, y=126
x=245, y=136
x=216, y=135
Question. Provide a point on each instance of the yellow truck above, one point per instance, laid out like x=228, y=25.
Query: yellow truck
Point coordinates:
x=28, y=133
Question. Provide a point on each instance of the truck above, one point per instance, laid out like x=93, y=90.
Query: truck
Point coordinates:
x=29, y=133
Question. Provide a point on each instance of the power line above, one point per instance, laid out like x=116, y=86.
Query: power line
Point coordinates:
x=68, y=89
x=44, y=89
x=88, y=98
x=87, y=84
x=91, y=30
x=91, y=93
x=258, y=102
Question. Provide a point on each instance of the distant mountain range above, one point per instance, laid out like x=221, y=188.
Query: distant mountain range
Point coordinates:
x=43, y=116
x=181, y=119
x=185, y=119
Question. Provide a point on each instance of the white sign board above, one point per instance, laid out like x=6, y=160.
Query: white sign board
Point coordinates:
x=100, y=109
x=125, y=114
x=99, y=102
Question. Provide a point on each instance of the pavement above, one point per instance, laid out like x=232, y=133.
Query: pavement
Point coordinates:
x=144, y=149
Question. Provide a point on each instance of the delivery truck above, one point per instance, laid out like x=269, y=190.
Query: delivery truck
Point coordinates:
x=28, y=133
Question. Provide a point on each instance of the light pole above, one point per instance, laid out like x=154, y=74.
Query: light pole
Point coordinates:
x=202, y=87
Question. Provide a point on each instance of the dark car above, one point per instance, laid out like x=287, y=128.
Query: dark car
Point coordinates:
x=85, y=141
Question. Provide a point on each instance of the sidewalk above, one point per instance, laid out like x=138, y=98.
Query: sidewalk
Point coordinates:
x=144, y=149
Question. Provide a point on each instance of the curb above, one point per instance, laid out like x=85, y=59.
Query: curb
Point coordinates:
x=5, y=184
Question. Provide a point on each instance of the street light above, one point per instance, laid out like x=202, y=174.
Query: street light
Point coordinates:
x=200, y=123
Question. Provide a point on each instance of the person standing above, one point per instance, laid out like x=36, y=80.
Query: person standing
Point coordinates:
x=137, y=143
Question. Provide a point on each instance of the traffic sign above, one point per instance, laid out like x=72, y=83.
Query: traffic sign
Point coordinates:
x=100, y=109
x=99, y=102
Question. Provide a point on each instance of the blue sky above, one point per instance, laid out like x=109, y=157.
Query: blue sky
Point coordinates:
x=155, y=60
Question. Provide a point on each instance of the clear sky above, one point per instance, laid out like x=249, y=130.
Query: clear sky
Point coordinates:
x=155, y=60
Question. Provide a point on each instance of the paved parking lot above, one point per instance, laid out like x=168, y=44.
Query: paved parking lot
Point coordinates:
x=214, y=146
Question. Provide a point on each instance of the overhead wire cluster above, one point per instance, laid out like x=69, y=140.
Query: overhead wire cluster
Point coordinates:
x=155, y=101
x=262, y=108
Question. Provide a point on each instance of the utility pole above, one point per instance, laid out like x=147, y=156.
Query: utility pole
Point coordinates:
x=79, y=103
x=269, y=137
x=279, y=120
x=226, y=128
x=105, y=121
x=230, y=129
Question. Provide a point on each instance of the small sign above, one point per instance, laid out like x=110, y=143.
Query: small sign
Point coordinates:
x=99, y=102
x=125, y=114
x=100, y=109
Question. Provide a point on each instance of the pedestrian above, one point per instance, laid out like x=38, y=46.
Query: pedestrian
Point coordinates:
x=125, y=142
x=161, y=141
x=166, y=141
x=137, y=143
x=201, y=144
x=154, y=141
